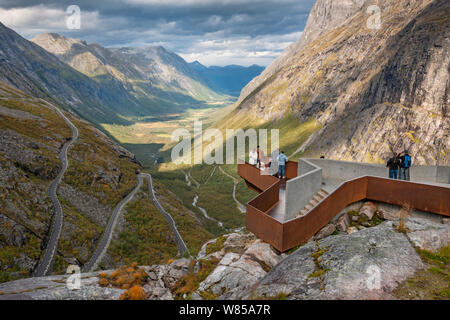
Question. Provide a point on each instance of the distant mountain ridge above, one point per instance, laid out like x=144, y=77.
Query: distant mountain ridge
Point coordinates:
x=157, y=78
x=229, y=79
x=30, y=68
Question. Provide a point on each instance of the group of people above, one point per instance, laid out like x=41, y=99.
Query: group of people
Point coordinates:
x=258, y=159
x=399, y=166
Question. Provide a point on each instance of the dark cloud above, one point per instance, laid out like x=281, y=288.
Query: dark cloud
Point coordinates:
x=232, y=31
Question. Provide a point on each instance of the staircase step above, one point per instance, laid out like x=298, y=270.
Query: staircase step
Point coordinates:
x=323, y=193
x=318, y=198
x=303, y=212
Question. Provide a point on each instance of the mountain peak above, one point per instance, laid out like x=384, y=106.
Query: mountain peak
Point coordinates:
x=56, y=43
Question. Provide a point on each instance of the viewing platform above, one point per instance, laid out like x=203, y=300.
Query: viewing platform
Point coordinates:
x=287, y=213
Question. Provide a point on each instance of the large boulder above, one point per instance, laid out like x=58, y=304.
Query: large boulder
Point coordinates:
x=368, y=264
x=55, y=288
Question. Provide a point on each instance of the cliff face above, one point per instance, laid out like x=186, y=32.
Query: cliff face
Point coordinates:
x=324, y=16
x=372, y=91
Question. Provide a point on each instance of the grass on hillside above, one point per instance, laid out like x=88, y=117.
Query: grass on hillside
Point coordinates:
x=146, y=237
x=191, y=230
x=433, y=283
x=77, y=237
x=217, y=198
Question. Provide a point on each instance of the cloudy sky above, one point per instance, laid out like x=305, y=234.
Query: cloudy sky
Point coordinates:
x=214, y=32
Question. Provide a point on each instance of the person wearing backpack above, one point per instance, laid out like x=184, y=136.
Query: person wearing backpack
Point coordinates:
x=405, y=166
x=394, y=165
x=282, y=160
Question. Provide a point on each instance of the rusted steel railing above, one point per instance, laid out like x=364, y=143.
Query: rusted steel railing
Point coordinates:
x=254, y=176
x=291, y=170
x=285, y=236
x=300, y=230
x=420, y=196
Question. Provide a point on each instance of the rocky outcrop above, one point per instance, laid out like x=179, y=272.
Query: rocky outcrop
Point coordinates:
x=55, y=288
x=157, y=286
x=236, y=273
x=427, y=235
x=368, y=264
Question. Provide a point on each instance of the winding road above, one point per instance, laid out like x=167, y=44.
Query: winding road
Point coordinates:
x=46, y=262
x=108, y=233
x=240, y=206
x=182, y=248
x=105, y=241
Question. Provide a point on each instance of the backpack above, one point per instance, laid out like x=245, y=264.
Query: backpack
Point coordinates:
x=407, y=161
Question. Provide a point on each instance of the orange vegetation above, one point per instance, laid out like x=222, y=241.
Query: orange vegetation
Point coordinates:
x=125, y=277
x=135, y=293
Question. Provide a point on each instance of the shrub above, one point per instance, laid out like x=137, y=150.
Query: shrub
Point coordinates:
x=189, y=283
x=405, y=212
x=125, y=277
x=135, y=293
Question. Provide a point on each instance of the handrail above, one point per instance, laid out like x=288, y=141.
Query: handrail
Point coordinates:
x=285, y=236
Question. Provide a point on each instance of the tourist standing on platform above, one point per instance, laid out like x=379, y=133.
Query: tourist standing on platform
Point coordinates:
x=406, y=163
x=282, y=160
x=394, y=166
x=258, y=161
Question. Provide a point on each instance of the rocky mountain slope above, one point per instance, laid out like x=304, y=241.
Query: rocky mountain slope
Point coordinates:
x=99, y=175
x=369, y=92
x=98, y=84
x=35, y=71
x=156, y=77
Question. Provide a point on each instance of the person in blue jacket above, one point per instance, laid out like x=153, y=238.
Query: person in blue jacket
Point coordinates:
x=282, y=160
x=406, y=163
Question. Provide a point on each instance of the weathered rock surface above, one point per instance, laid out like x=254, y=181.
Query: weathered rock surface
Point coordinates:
x=55, y=288
x=368, y=210
x=427, y=235
x=325, y=232
x=237, y=273
x=163, y=277
x=344, y=222
x=368, y=264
